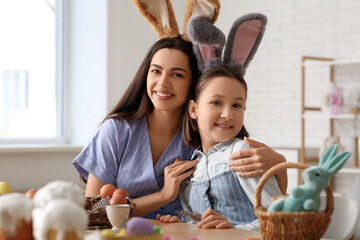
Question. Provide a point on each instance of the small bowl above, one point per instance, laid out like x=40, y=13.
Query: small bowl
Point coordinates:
x=117, y=214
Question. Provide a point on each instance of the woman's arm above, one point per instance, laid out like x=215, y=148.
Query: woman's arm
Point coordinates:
x=174, y=174
x=144, y=205
x=255, y=162
x=93, y=186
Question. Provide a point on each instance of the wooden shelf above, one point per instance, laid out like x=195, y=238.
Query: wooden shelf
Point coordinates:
x=313, y=159
x=307, y=156
x=331, y=63
x=350, y=170
x=330, y=116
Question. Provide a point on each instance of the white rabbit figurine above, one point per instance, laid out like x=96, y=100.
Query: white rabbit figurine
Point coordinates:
x=307, y=197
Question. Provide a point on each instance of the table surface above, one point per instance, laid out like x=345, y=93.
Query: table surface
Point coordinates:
x=184, y=231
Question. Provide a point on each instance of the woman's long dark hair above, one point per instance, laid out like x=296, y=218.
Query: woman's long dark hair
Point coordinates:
x=135, y=103
x=191, y=134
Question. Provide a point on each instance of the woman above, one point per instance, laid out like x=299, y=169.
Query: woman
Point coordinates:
x=136, y=146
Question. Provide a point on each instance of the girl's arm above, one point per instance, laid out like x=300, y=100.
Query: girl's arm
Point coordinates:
x=213, y=219
x=168, y=219
x=256, y=161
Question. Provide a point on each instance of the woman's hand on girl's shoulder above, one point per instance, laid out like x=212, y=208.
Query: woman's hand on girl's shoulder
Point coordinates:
x=256, y=161
x=213, y=219
x=167, y=219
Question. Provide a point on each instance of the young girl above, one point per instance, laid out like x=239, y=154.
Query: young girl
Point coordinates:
x=214, y=125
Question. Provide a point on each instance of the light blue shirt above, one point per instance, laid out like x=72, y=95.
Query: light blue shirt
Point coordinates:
x=120, y=154
x=213, y=166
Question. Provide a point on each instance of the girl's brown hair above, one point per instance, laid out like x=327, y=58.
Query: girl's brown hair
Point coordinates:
x=191, y=134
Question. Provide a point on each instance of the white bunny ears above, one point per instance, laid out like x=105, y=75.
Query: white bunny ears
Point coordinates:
x=160, y=14
x=242, y=43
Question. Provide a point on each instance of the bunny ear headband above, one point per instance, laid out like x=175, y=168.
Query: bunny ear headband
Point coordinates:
x=160, y=14
x=242, y=43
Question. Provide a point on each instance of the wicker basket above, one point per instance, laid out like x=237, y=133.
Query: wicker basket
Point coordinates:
x=97, y=214
x=291, y=225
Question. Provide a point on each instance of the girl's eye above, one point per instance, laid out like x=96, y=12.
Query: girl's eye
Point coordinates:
x=237, y=106
x=216, y=103
x=155, y=71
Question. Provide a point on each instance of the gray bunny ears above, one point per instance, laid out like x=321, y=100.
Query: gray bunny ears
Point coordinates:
x=242, y=43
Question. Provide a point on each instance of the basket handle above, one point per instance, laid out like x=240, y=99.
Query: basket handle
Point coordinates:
x=279, y=167
x=95, y=209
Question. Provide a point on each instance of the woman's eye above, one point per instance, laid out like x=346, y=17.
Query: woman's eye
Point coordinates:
x=155, y=71
x=178, y=75
x=216, y=103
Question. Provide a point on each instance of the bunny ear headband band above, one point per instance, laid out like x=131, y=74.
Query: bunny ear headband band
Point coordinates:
x=242, y=43
x=160, y=14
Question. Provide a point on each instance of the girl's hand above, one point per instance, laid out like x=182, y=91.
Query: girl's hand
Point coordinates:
x=255, y=162
x=213, y=219
x=167, y=219
x=174, y=174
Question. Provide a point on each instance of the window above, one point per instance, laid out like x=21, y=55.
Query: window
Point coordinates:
x=31, y=57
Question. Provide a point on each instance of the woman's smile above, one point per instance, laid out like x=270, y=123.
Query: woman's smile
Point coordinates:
x=169, y=80
x=163, y=95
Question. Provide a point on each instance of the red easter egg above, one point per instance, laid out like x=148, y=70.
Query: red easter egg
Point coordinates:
x=118, y=199
x=30, y=193
x=121, y=191
x=107, y=190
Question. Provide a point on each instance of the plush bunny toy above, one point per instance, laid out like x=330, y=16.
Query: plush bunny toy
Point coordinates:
x=307, y=197
x=242, y=43
x=160, y=14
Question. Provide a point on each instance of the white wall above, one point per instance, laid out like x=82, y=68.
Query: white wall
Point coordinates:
x=308, y=27
x=28, y=168
x=106, y=41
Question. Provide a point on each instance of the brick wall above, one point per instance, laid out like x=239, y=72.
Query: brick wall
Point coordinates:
x=328, y=28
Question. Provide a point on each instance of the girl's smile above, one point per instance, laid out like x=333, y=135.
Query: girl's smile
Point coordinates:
x=224, y=125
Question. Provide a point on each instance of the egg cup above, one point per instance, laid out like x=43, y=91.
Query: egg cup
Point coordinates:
x=117, y=214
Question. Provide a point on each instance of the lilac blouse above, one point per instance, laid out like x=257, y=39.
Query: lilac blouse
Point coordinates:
x=120, y=154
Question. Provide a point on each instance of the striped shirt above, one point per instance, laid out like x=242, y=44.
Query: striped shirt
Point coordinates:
x=120, y=154
x=217, y=187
